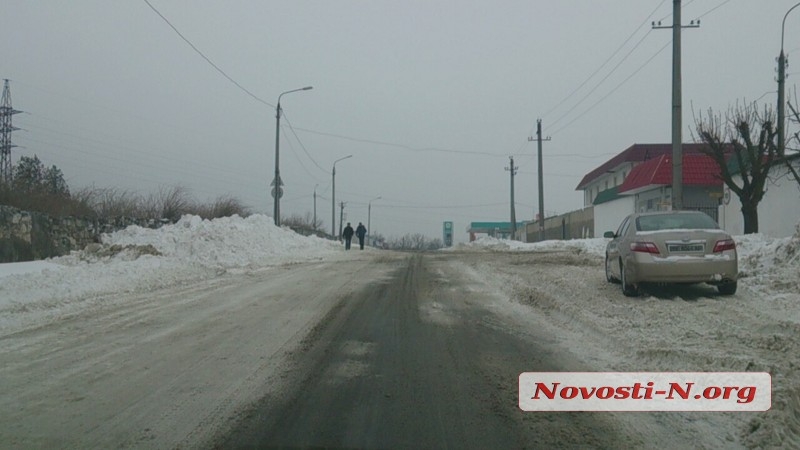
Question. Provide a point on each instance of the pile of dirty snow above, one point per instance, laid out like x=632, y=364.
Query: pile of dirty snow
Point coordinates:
x=769, y=264
x=141, y=259
x=595, y=246
x=224, y=243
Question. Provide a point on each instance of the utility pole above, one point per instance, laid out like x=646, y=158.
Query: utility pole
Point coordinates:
x=341, y=218
x=677, y=111
x=781, y=102
x=512, y=169
x=333, y=200
x=314, y=223
x=369, y=215
x=541, y=177
x=6, y=111
x=781, y=91
x=277, y=183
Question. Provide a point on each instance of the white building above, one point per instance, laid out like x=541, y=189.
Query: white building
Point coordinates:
x=639, y=178
x=778, y=211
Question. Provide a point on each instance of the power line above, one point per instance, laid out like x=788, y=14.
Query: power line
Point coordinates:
x=644, y=22
x=386, y=205
x=289, y=142
x=712, y=9
x=585, y=97
x=613, y=90
x=402, y=146
x=288, y=122
x=596, y=71
x=136, y=150
x=637, y=70
x=185, y=39
x=670, y=14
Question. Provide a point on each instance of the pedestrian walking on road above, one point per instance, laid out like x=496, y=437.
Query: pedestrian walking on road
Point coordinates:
x=361, y=232
x=347, y=234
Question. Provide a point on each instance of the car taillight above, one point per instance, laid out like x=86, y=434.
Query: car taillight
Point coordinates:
x=723, y=245
x=644, y=247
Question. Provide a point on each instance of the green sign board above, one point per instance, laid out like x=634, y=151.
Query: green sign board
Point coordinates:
x=447, y=234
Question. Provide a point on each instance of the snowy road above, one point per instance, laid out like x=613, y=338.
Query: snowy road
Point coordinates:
x=379, y=349
x=430, y=359
x=421, y=361
x=166, y=369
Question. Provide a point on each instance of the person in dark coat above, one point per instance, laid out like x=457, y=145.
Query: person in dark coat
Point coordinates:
x=347, y=234
x=361, y=232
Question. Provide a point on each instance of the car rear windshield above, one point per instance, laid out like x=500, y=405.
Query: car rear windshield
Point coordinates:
x=675, y=221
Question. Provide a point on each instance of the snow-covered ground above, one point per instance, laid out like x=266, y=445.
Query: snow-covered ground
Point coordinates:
x=559, y=288
x=141, y=259
x=757, y=329
x=770, y=266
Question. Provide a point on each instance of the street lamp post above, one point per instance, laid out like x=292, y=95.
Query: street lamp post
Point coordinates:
x=369, y=215
x=333, y=197
x=781, y=92
x=277, y=191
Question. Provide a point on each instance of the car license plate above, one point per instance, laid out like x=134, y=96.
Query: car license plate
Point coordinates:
x=686, y=248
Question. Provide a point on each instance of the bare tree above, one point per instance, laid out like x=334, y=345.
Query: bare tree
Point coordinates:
x=303, y=224
x=223, y=206
x=743, y=144
x=168, y=203
x=415, y=242
x=110, y=202
x=795, y=139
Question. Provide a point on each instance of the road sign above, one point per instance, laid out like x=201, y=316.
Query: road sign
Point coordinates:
x=280, y=192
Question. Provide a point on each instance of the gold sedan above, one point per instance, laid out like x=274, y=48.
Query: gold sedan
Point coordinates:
x=671, y=247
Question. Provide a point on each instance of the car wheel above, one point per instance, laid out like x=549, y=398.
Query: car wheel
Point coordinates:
x=727, y=288
x=629, y=290
x=610, y=278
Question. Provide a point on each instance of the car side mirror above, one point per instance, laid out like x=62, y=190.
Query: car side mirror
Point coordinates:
x=609, y=234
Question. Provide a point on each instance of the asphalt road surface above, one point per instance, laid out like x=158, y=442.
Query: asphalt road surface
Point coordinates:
x=382, y=350
x=416, y=361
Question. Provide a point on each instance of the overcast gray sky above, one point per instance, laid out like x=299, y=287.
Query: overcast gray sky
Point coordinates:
x=430, y=97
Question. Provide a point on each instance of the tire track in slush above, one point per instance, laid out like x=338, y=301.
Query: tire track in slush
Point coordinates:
x=417, y=361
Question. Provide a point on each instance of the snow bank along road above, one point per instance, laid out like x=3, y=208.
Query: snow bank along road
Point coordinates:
x=168, y=368
x=391, y=351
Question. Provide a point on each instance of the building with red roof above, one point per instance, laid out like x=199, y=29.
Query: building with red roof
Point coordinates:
x=639, y=179
x=698, y=170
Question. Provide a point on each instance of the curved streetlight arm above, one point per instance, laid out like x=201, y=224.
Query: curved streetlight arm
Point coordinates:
x=334, y=163
x=276, y=212
x=781, y=89
x=783, y=24
x=278, y=107
x=307, y=88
